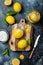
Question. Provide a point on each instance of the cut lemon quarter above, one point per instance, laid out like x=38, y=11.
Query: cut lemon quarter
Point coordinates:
x=8, y=2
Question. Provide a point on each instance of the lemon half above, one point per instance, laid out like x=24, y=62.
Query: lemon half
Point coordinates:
x=34, y=16
x=15, y=61
x=8, y=2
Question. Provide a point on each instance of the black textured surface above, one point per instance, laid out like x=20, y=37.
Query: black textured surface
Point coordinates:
x=28, y=5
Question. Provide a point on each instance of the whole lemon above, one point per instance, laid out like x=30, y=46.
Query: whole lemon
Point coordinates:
x=17, y=7
x=34, y=16
x=10, y=19
x=22, y=44
x=18, y=33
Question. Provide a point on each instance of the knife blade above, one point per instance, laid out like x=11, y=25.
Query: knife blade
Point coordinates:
x=36, y=42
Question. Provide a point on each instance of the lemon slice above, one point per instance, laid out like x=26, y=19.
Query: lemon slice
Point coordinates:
x=22, y=57
x=8, y=2
x=15, y=61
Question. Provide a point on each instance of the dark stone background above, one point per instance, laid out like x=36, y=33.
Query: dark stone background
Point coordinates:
x=28, y=5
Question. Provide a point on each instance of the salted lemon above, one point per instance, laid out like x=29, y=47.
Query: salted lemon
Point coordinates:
x=22, y=57
x=18, y=33
x=15, y=61
x=8, y=2
x=10, y=19
x=17, y=7
x=22, y=44
x=34, y=16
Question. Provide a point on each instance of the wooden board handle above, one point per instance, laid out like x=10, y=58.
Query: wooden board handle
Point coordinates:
x=31, y=54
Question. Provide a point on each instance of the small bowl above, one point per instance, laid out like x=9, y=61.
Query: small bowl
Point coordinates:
x=7, y=35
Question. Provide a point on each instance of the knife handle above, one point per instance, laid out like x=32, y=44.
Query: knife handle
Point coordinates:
x=31, y=54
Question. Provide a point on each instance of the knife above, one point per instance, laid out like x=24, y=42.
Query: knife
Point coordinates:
x=36, y=42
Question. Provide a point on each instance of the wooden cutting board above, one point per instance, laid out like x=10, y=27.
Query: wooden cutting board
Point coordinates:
x=13, y=42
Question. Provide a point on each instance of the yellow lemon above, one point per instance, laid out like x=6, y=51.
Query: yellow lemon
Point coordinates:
x=10, y=19
x=28, y=30
x=15, y=61
x=27, y=26
x=34, y=16
x=22, y=44
x=8, y=2
x=18, y=33
x=17, y=7
x=22, y=57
